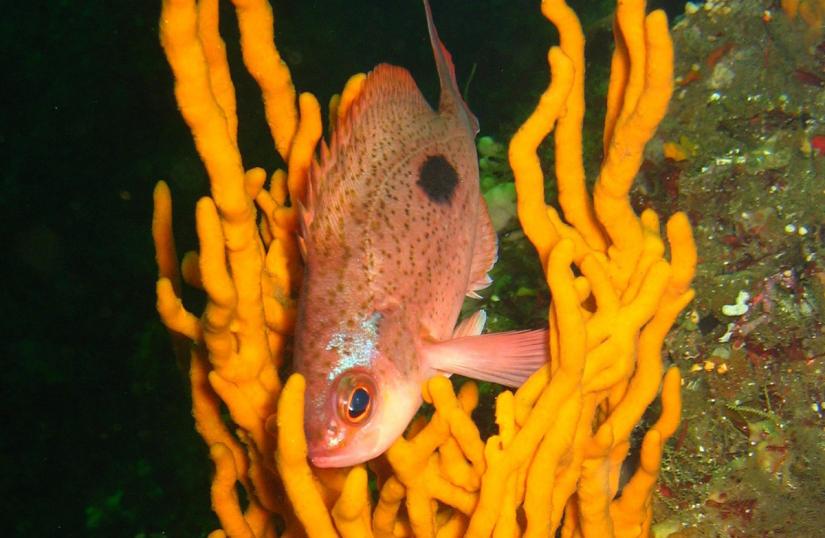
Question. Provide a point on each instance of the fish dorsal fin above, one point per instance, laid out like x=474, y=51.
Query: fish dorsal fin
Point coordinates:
x=385, y=88
x=485, y=252
x=389, y=95
x=388, y=99
x=305, y=208
x=450, y=100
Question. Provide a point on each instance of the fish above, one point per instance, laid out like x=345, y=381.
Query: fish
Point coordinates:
x=394, y=233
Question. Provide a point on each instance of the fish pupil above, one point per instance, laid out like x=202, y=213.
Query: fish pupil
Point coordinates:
x=358, y=403
x=438, y=179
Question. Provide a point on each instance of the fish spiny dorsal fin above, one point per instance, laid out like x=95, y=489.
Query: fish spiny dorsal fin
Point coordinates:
x=306, y=206
x=450, y=100
x=318, y=167
x=387, y=89
x=389, y=98
x=324, y=150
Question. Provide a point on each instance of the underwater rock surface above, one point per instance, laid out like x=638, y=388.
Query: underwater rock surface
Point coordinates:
x=744, y=144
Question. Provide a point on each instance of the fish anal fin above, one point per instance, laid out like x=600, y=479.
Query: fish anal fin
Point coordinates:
x=485, y=252
x=508, y=358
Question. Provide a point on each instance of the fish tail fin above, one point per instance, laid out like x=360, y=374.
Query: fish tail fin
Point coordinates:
x=508, y=358
x=450, y=99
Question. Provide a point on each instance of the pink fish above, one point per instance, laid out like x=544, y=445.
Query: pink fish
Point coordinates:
x=395, y=233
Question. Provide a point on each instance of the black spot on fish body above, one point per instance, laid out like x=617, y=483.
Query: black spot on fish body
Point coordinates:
x=438, y=179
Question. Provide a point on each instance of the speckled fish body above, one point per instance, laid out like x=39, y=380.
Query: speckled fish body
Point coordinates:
x=395, y=234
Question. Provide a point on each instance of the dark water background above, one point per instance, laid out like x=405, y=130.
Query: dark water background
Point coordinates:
x=97, y=437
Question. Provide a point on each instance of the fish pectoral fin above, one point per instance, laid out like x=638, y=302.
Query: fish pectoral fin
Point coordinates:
x=508, y=358
x=485, y=252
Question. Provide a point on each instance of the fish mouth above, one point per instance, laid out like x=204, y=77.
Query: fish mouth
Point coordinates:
x=363, y=447
x=325, y=459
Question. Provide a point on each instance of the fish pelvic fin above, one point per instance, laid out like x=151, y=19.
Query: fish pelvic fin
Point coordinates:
x=450, y=100
x=485, y=252
x=472, y=325
x=507, y=358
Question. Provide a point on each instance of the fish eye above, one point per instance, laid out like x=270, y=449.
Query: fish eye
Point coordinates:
x=355, y=394
x=358, y=404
